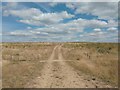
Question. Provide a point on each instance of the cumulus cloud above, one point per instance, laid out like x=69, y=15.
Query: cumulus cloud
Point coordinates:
x=99, y=37
x=23, y=13
x=97, y=34
x=97, y=30
x=112, y=23
x=51, y=26
x=83, y=23
x=34, y=16
x=104, y=10
x=71, y=28
x=77, y=25
x=112, y=29
x=19, y=33
x=52, y=17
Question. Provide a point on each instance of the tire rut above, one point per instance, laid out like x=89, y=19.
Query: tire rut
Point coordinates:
x=61, y=75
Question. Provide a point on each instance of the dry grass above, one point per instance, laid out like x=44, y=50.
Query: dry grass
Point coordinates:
x=95, y=59
x=21, y=62
x=18, y=74
x=26, y=51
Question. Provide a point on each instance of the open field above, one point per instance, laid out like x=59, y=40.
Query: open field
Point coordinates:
x=60, y=65
x=21, y=62
x=96, y=59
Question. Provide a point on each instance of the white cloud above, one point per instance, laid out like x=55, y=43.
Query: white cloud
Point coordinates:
x=71, y=28
x=52, y=4
x=97, y=30
x=104, y=10
x=29, y=27
x=52, y=17
x=23, y=13
x=30, y=22
x=112, y=23
x=33, y=16
x=81, y=35
x=88, y=23
x=112, y=29
x=19, y=33
x=72, y=5
x=54, y=29
x=97, y=34
x=99, y=37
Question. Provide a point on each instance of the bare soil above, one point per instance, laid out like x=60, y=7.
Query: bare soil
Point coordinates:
x=58, y=74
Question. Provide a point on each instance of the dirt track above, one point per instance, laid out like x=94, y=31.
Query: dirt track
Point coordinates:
x=58, y=74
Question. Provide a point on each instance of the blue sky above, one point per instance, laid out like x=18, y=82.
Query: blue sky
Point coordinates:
x=59, y=22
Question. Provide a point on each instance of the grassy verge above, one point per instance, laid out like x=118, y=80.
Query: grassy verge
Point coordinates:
x=21, y=62
x=95, y=59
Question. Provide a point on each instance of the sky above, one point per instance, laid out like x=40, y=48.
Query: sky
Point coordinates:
x=59, y=22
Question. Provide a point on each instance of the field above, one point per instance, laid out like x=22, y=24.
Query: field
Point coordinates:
x=96, y=59
x=21, y=62
x=58, y=65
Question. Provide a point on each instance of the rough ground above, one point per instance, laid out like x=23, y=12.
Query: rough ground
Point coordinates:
x=58, y=74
